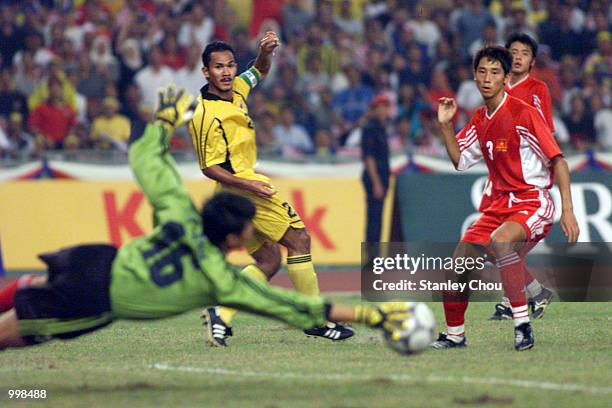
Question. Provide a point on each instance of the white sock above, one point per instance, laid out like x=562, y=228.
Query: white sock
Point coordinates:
x=520, y=314
x=456, y=333
x=534, y=288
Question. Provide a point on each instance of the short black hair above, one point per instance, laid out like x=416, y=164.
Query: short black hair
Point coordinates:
x=496, y=53
x=224, y=214
x=523, y=39
x=215, y=46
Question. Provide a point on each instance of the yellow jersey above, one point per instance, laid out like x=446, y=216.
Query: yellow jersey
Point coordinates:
x=222, y=131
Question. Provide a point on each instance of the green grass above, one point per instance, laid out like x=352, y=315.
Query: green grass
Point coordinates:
x=271, y=365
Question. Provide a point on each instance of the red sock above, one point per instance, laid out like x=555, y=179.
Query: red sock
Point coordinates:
x=512, y=270
x=528, y=275
x=7, y=293
x=455, y=305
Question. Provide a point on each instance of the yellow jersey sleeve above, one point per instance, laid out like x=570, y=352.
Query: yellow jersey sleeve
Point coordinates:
x=246, y=81
x=208, y=138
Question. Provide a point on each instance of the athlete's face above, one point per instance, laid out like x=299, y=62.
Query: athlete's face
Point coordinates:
x=490, y=77
x=522, y=58
x=221, y=70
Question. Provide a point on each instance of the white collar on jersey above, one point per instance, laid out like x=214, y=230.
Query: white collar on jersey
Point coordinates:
x=498, y=106
x=518, y=83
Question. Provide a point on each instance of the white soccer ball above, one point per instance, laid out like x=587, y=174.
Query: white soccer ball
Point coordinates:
x=420, y=331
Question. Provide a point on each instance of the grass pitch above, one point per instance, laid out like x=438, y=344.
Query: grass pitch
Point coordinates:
x=166, y=363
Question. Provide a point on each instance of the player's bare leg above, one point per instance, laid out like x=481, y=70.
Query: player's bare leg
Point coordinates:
x=506, y=243
x=9, y=331
x=218, y=320
x=302, y=275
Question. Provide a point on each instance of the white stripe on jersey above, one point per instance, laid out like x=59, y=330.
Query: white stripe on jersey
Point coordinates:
x=534, y=163
x=543, y=216
x=538, y=105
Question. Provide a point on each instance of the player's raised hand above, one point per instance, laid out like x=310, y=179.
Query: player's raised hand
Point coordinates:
x=569, y=225
x=175, y=107
x=447, y=107
x=269, y=42
x=261, y=188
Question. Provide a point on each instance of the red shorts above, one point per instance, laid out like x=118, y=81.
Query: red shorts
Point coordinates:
x=533, y=209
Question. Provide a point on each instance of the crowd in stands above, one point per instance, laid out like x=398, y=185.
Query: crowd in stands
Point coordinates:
x=76, y=74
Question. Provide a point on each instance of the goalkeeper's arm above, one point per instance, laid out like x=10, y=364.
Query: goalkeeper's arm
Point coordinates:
x=153, y=167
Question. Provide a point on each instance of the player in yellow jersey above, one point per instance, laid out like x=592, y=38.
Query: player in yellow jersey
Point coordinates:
x=224, y=139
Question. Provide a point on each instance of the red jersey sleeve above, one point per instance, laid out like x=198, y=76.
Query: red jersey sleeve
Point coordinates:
x=469, y=146
x=538, y=135
x=543, y=103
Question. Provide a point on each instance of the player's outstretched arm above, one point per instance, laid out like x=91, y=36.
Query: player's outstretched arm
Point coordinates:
x=153, y=167
x=568, y=222
x=267, y=45
x=447, y=108
x=238, y=290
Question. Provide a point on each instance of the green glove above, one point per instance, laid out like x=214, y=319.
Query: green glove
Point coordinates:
x=174, y=109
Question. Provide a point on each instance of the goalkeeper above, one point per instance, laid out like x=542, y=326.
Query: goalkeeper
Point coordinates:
x=180, y=266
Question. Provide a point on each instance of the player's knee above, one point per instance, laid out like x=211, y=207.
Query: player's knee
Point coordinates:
x=301, y=241
x=501, y=244
x=268, y=259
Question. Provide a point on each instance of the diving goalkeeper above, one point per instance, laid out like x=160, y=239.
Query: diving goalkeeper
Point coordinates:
x=178, y=267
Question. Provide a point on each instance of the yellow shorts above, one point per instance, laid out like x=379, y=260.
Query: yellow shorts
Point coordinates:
x=273, y=217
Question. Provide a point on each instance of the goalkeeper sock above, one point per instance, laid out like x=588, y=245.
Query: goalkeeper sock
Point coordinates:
x=227, y=313
x=7, y=293
x=302, y=274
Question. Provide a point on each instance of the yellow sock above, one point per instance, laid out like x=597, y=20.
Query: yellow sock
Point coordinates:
x=227, y=313
x=302, y=274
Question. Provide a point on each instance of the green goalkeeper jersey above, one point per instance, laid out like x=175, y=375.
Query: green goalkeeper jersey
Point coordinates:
x=175, y=268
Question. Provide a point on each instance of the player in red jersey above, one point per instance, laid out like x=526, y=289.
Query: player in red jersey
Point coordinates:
x=522, y=156
x=534, y=92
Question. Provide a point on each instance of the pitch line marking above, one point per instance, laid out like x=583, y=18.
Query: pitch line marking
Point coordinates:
x=395, y=377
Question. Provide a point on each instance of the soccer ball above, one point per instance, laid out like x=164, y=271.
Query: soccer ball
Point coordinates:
x=420, y=332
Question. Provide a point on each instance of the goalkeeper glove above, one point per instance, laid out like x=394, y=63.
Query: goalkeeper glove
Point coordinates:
x=174, y=108
x=391, y=317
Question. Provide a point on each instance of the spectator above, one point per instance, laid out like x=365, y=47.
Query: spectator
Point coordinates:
x=52, y=120
x=347, y=22
x=28, y=75
x=12, y=37
x=173, y=55
x=190, y=77
x=292, y=137
x=602, y=122
x=315, y=43
x=470, y=23
x=314, y=79
x=579, y=123
x=266, y=141
x=425, y=31
x=153, y=77
x=324, y=144
x=412, y=106
x=11, y=100
x=55, y=73
x=19, y=143
x=468, y=96
x=111, y=129
x=130, y=61
x=558, y=34
x=34, y=43
x=600, y=61
x=198, y=29
x=243, y=52
x=489, y=37
x=294, y=18
x=352, y=103
x=102, y=58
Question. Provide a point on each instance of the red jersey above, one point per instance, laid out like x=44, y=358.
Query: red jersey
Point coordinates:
x=535, y=93
x=515, y=142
